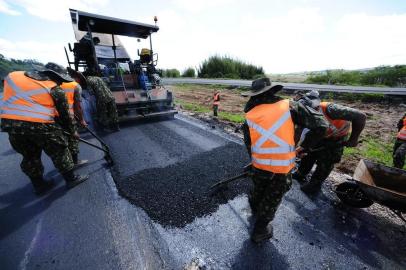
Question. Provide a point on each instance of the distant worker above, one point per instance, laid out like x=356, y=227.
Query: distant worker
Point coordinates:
x=399, y=149
x=345, y=127
x=35, y=115
x=216, y=102
x=73, y=92
x=269, y=138
x=107, y=115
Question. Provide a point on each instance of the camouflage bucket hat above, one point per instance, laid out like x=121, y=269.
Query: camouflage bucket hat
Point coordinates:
x=260, y=86
x=312, y=99
x=53, y=75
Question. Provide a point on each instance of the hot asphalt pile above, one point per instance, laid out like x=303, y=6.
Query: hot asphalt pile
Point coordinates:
x=177, y=194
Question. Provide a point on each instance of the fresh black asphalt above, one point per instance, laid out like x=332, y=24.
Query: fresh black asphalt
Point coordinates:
x=93, y=227
x=177, y=194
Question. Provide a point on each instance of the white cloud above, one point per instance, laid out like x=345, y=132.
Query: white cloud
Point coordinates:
x=56, y=10
x=274, y=43
x=198, y=6
x=5, y=8
x=28, y=49
x=364, y=40
x=300, y=39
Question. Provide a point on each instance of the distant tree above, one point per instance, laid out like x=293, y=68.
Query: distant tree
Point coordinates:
x=189, y=72
x=226, y=67
x=171, y=73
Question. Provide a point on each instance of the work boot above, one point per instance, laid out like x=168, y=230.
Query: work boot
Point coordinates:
x=78, y=162
x=41, y=186
x=72, y=180
x=115, y=127
x=262, y=231
x=311, y=187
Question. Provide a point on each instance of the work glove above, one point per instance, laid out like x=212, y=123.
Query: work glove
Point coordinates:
x=300, y=152
x=83, y=123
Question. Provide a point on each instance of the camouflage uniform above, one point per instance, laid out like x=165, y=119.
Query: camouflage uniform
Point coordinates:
x=332, y=149
x=269, y=188
x=77, y=110
x=399, y=149
x=107, y=114
x=30, y=139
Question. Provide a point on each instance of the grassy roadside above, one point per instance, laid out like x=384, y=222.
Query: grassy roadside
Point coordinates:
x=378, y=136
x=198, y=108
x=373, y=149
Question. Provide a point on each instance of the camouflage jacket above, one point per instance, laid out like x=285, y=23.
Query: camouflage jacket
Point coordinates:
x=99, y=88
x=339, y=112
x=63, y=121
x=77, y=103
x=302, y=116
x=336, y=111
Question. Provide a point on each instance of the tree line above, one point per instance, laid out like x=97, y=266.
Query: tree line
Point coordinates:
x=218, y=67
x=9, y=65
x=393, y=76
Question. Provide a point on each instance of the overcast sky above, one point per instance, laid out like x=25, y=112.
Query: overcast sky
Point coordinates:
x=281, y=35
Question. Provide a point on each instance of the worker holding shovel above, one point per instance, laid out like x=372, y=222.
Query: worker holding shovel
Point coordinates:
x=269, y=138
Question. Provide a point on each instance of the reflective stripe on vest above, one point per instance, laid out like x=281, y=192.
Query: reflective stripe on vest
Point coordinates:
x=272, y=137
x=27, y=99
x=337, y=128
x=402, y=132
x=69, y=89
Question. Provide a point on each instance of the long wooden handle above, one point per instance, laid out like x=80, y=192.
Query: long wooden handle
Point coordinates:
x=226, y=181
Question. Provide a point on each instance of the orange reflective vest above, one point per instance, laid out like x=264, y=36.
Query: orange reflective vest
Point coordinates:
x=216, y=100
x=337, y=128
x=69, y=89
x=27, y=99
x=272, y=137
x=402, y=132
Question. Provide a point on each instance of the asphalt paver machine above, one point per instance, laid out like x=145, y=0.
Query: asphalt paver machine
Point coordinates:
x=136, y=84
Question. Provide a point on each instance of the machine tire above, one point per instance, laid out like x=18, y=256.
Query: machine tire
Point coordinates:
x=350, y=194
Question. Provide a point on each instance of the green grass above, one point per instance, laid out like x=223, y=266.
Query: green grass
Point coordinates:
x=372, y=149
x=192, y=106
x=232, y=117
x=191, y=87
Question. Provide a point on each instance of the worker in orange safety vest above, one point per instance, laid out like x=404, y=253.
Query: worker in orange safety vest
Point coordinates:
x=34, y=114
x=269, y=138
x=73, y=92
x=345, y=127
x=216, y=102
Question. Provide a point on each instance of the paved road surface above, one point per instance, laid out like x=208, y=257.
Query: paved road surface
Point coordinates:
x=295, y=86
x=92, y=227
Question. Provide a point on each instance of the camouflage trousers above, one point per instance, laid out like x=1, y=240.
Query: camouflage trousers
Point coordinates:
x=267, y=194
x=215, y=110
x=399, y=153
x=30, y=146
x=324, y=160
x=73, y=143
x=107, y=114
